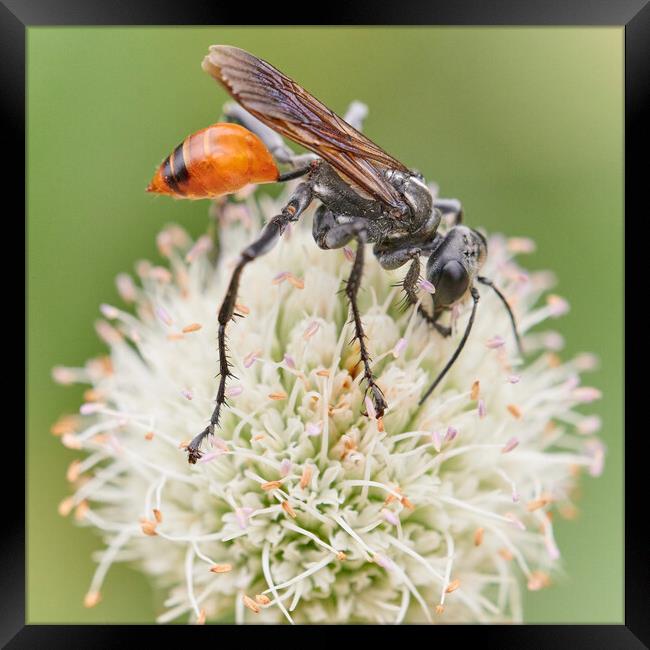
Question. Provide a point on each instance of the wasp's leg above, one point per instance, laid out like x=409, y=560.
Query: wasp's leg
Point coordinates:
x=451, y=207
x=356, y=113
x=394, y=258
x=352, y=289
x=393, y=253
x=443, y=330
x=330, y=234
x=263, y=244
x=272, y=140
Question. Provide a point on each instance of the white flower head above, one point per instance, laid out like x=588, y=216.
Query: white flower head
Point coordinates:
x=302, y=508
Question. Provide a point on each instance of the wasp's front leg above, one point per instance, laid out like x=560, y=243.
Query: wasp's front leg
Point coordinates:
x=410, y=282
x=443, y=330
x=393, y=253
x=390, y=258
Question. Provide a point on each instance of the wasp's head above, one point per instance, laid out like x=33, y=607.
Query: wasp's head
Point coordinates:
x=455, y=264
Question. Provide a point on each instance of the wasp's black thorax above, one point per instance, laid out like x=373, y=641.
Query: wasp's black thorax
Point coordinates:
x=417, y=197
x=334, y=193
x=347, y=204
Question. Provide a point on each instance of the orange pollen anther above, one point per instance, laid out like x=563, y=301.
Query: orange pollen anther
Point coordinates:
x=92, y=395
x=306, y=476
x=514, y=410
x=505, y=554
x=221, y=568
x=407, y=503
x=452, y=586
x=81, y=510
x=298, y=283
x=72, y=473
x=536, y=504
x=65, y=507
x=65, y=424
x=251, y=604
x=271, y=485
x=286, y=506
x=149, y=528
x=538, y=580
x=91, y=599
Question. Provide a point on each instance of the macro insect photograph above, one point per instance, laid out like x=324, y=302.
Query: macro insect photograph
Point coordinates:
x=325, y=325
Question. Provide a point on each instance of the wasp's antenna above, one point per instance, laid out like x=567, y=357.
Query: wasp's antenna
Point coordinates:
x=450, y=363
x=489, y=283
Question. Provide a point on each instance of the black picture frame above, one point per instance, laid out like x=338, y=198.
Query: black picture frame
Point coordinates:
x=17, y=15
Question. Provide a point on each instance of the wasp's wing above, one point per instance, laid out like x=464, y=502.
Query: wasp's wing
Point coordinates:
x=290, y=110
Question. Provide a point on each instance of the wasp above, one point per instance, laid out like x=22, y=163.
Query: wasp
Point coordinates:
x=366, y=196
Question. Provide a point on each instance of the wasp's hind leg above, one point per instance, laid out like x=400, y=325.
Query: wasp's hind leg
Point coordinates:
x=450, y=208
x=328, y=233
x=273, y=141
x=269, y=236
x=356, y=113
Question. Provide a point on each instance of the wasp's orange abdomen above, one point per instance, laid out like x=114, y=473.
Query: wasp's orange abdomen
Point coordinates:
x=218, y=160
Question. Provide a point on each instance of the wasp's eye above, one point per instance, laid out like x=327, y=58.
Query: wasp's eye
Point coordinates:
x=452, y=283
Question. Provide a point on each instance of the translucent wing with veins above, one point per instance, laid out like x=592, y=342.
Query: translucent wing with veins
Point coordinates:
x=289, y=109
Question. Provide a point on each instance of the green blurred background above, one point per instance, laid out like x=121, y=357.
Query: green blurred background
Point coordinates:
x=524, y=125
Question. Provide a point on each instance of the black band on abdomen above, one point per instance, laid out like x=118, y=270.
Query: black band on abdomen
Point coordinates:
x=174, y=170
x=168, y=176
x=181, y=175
